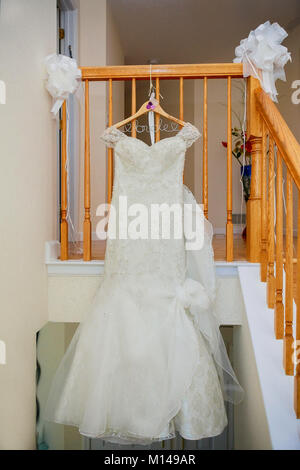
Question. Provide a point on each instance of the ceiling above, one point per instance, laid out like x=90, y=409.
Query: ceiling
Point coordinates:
x=194, y=31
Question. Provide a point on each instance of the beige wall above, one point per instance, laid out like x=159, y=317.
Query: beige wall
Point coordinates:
x=92, y=51
x=28, y=206
x=290, y=111
x=114, y=56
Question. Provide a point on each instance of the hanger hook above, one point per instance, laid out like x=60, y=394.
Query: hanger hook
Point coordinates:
x=151, y=86
x=150, y=83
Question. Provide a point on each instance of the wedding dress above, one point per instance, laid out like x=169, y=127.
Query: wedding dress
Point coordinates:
x=149, y=359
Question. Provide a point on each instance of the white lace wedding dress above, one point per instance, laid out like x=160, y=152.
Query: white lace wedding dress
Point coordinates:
x=149, y=359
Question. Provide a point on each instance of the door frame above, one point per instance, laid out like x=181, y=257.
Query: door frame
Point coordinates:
x=67, y=18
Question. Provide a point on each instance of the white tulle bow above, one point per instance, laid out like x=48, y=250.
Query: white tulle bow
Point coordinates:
x=263, y=56
x=63, y=78
x=192, y=293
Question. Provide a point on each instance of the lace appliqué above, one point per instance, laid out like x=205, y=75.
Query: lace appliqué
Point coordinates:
x=189, y=134
x=111, y=136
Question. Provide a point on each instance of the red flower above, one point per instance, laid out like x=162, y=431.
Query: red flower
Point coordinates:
x=224, y=144
x=248, y=146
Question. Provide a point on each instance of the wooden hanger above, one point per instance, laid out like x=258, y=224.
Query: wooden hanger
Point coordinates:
x=145, y=108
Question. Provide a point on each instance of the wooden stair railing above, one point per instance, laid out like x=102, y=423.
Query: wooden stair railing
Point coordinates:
x=280, y=151
x=179, y=72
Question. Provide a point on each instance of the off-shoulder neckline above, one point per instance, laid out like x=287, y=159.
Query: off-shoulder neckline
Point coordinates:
x=187, y=124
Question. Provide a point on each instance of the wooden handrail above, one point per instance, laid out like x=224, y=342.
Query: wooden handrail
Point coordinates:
x=281, y=133
x=110, y=74
x=172, y=71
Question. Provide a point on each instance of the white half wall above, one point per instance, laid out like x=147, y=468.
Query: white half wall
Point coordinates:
x=266, y=418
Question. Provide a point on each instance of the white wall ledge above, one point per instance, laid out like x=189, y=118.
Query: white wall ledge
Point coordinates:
x=96, y=267
x=72, y=285
x=75, y=267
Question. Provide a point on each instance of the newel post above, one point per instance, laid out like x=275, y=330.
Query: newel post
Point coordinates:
x=254, y=131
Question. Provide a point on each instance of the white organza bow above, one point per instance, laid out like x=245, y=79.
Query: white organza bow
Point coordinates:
x=63, y=78
x=193, y=296
x=263, y=56
x=192, y=293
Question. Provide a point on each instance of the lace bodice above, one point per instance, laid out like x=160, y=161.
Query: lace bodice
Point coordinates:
x=148, y=175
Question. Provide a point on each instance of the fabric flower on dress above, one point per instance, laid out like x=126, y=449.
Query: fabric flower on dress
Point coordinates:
x=64, y=77
x=263, y=56
x=192, y=293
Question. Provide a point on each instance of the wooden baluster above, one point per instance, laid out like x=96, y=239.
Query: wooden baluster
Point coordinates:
x=110, y=150
x=229, y=226
x=64, y=247
x=181, y=102
x=270, y=269
x=87, y=228
x=297, y=342
x=289, y=294
x=279, y=309
x=205, y=153
x=264, y=253
x=157, y=116
x=181, y=98
x=133, y=106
